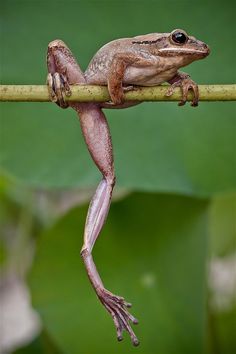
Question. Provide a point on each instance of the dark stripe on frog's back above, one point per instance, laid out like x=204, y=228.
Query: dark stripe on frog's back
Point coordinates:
x=160, y=41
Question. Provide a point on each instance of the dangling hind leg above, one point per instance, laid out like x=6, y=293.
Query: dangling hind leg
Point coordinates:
x=97, y=137
x=63, y=71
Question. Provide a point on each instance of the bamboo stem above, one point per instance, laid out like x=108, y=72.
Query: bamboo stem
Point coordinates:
x=91, y=93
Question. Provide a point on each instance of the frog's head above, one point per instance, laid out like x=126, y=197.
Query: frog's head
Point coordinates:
x=179, y=44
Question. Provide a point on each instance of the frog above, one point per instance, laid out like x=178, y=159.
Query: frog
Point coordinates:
x=122, y=65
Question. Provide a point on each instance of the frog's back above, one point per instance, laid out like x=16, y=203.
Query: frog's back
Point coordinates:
x=100, y=64
x=97, y=70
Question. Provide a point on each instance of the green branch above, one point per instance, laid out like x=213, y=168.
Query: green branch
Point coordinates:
x=91, y=93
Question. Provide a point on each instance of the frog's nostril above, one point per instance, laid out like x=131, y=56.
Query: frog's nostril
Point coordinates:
x=207, y=49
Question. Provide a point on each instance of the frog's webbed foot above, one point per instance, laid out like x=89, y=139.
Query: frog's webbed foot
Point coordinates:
x=117, y=307
x=58, y=88
x=185, y=84
x=63, y=71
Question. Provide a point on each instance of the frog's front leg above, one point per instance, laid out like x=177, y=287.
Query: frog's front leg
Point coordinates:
x=183, y=81
x=64, y=70
x=120, y=62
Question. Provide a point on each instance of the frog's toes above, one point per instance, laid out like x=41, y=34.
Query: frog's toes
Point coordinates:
x=189, y=85
x=117, y=307
x=58, y=88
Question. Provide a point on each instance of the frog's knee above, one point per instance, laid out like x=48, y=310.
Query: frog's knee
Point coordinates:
x=57, y=43
x=111, y=179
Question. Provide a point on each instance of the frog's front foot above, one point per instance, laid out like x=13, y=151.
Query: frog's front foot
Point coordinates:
x=117, y=307
x=58, y=88
x=117, y=95
x=118, y=98
x=185, y=84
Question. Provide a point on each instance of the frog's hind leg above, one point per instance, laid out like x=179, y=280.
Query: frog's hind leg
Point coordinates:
x=63, y=70
x=97, y=137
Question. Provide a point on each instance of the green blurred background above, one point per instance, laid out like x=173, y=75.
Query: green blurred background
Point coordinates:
x=169, y=242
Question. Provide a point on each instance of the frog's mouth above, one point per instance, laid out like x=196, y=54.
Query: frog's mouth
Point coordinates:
x=184, y=51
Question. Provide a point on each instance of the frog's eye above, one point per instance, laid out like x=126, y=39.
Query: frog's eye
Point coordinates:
x=179, y=37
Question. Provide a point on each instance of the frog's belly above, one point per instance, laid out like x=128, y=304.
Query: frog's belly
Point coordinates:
x=147, y=76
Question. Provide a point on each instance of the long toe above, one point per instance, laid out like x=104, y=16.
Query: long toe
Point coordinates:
x=117, y=307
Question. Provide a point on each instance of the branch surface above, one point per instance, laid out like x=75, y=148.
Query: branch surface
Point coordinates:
x=91, y=93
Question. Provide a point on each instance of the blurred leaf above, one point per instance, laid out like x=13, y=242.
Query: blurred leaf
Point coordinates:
x=20, y=223
x=3, y=253
x=222, y=225
x=153, y=252
x=40, y=345
x=158, y=147
x=223, y=326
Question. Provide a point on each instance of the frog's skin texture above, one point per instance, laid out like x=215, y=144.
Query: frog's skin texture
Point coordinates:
x=146, y=60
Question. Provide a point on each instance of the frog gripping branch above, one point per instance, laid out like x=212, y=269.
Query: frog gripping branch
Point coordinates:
x=146, y=60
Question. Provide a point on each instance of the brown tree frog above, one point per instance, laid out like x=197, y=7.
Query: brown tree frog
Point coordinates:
x=122, y=64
